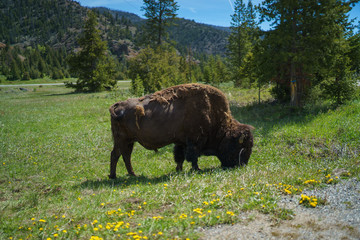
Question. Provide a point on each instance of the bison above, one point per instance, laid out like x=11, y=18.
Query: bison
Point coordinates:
x=196, y=118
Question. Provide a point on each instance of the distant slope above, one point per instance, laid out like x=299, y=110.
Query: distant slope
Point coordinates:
x=201, y=38
x=29, y=22
x=57, y=23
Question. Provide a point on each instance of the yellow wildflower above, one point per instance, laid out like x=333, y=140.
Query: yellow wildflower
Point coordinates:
x=230, y=213
x=287, y=191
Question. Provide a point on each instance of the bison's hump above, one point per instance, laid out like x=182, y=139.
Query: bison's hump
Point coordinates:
x=186, y=91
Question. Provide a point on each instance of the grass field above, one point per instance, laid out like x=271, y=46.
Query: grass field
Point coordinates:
x=55, y=156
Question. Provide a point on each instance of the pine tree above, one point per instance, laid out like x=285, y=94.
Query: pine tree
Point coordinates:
x=92, y=65
x=243, y=37
x=307, y=44
x=160, y=15
x=156, y=68
x=15, y=72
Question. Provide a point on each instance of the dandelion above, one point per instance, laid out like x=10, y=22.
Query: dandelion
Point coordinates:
x=42, y=220
x=64, y=231
x=205, y=203
x=329, y=181
x=308, y=201
x=287, y=191
x=230, y=213
x=160, y=233
x=198, y=210
x=56, y=235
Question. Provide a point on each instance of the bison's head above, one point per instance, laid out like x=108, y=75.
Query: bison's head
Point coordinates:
x=236, y=146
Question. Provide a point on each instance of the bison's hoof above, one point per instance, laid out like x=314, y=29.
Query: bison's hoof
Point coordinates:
x=112, y=176
x=196, y=169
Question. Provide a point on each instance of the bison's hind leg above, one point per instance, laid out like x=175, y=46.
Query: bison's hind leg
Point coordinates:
x=179, y=156
x=192, y=155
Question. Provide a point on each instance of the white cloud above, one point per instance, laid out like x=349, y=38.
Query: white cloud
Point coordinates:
x=193, y=10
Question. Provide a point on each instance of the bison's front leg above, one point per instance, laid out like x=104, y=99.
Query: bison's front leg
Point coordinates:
x=192, y=156
x=179, y=156
x=124, y=149
x=126, y=153
x=115, y=154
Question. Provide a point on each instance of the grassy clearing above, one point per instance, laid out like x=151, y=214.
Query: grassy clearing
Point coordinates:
x=55, y=156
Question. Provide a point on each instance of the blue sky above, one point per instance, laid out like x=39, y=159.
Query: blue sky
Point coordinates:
x=214, y=12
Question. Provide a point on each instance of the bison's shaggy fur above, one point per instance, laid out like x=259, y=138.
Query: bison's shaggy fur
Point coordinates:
x=195, y=117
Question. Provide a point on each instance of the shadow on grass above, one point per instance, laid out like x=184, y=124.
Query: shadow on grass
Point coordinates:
x=68, y=94
x=266, y=116
x=126, y=181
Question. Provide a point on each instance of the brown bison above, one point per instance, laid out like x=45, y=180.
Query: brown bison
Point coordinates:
x=195, y=117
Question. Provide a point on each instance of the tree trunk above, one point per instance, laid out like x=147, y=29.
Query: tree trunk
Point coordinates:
x=294, y=96
x=293, y=84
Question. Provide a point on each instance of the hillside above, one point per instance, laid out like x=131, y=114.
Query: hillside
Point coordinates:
x=58, y=24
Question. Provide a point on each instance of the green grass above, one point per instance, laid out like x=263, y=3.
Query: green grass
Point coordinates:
x=55, y=157
x=35, y=81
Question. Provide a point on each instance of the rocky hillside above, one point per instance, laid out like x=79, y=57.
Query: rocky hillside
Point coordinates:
x=57, y=23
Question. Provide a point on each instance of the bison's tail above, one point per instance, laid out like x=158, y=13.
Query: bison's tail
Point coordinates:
x=116, y=113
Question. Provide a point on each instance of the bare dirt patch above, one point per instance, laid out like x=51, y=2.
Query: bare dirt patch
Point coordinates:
x=338, y=219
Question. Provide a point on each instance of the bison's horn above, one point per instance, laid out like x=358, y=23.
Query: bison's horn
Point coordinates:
x=241, y=139
x=240, y=156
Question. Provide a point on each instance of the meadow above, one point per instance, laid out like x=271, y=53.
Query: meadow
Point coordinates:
x=55, y=157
